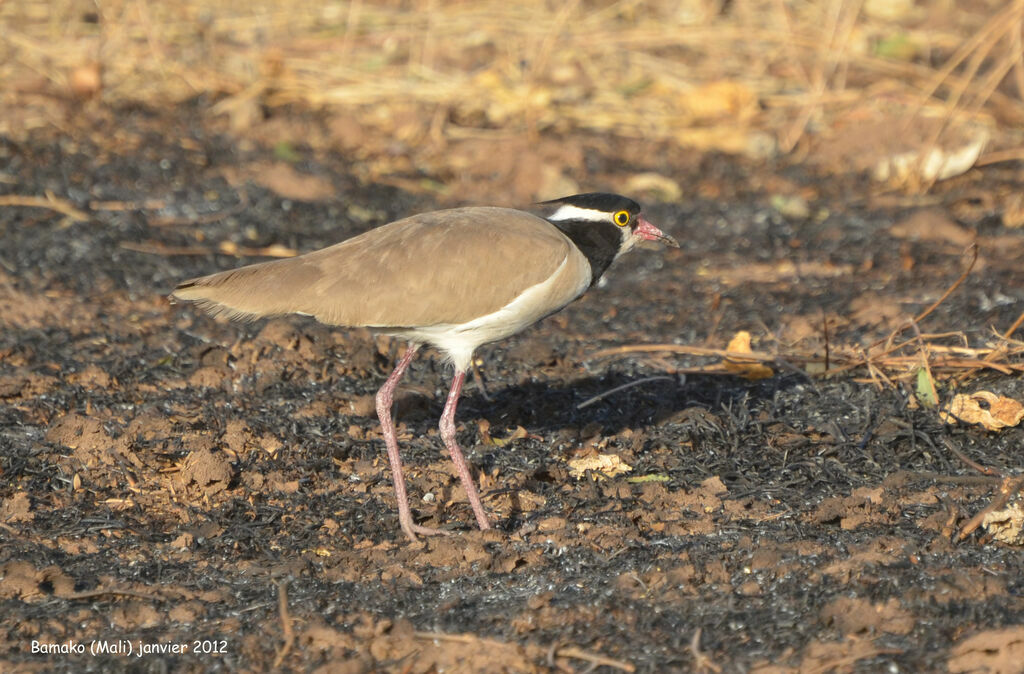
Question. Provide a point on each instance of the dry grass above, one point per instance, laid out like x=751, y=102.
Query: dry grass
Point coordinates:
x=906, y=353
x=751, y=77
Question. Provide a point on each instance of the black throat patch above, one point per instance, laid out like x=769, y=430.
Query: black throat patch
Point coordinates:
x=598, y=241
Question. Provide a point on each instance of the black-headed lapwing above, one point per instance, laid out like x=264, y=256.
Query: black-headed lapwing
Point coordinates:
x=454, y=279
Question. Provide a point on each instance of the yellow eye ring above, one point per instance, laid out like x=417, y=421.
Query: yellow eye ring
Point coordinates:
x=621, y=218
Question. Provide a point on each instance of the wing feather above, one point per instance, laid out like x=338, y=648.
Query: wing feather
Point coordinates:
x=434, y=268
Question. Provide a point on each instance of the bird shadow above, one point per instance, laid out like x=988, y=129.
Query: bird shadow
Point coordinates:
x=615, y=401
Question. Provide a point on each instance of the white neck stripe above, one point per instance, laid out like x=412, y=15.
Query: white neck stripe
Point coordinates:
x=569, y=212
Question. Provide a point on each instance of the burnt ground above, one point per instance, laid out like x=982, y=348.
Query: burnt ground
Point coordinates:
x=170, y=480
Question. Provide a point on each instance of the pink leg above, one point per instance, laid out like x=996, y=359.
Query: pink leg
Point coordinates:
x=385, y=397
x=448, y=433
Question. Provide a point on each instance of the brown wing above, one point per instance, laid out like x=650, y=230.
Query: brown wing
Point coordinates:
x=442, y=267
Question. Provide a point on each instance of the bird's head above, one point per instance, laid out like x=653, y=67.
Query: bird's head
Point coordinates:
x=596, y=215
x=603, y=226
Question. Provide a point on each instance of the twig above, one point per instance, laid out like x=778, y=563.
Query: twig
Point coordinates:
x=562, y=652
x=204, y=219
x=117, y=205
x=597, y=660
x=998, y=22
x=226, y=248
x=623, y=387
x=976, y=466
x=701, y=661
x=49, y=201
x=479, y=379
x=832, y=52
x=824, y=332
x=1007, y=491
x=949, y=291
x=89, y=594
x=921, y=316
x=978, y=47
x=1013, y=328
x=286, y=623
x=679, y=348
x=157, y=248
x=954, y=513
x=849, y=358
x=1013, y=154
x=1000, y=351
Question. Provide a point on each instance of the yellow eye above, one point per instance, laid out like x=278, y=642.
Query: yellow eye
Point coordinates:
x=622, y=218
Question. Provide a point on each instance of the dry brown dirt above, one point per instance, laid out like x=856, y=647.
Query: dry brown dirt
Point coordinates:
x=216, y=494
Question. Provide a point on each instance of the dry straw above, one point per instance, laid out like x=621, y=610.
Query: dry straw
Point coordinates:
x=635, y=68
x=892, y=358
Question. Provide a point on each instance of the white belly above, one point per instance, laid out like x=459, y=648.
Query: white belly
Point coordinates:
x=459, y=341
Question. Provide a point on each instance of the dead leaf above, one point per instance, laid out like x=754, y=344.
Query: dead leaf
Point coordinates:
x=991, y=411
x=289, y=183
x=852, y=615
x=994, y=651
x=518, y=434
x=931, y=224
x=748, y=369
x=774, y=272
x=791, y=206
x=1013, y=211
x=729, y=138
x=1006, y=525
x=273, y=250
x=601, y=465
x=954, y=158
x=86, y=80
x=874, y=309
x=899, y=142
x=662, y=187
x=16, y=509
x=721, y=99
x=888, y=10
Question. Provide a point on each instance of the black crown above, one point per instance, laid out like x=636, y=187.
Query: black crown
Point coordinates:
x=598, y=201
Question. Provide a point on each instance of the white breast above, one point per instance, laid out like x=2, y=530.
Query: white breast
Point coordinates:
x=459, y=341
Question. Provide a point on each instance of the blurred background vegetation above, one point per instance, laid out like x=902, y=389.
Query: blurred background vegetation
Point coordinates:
x=432, y=95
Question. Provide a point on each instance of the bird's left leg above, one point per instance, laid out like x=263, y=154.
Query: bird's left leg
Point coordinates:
x=385, y=399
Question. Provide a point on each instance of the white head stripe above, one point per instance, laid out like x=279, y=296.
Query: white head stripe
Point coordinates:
x=569, y=212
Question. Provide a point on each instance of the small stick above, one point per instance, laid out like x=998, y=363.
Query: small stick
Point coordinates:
x=594, y=659
x=716, y=305
x=1013, y=328
x=701, y=661
x=566, y=652
x=1014, y=154
x=949, y=291
x=148, y=204
x=976, y=466
x=479, y=379
x=680, y=348
x=89, y=594
x=623, y=387
x=1007, y=490
x=204, y=219
x=1000, y=350
x=49, y=201
x=457, y=638
x=286, y=623
x=152, y=247
x=824, y=331
x=954, y=513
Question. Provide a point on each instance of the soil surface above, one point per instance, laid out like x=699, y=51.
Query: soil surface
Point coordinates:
x=217, y=495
